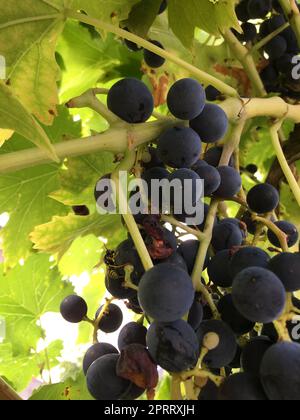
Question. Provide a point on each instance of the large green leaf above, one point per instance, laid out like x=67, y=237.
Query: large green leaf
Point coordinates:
x=28, y=35
x=30, y=364
x=142, y=16
x=26, y=293
x=58, y=235
x=213, y=16
x=24, y=194
x=70, y=390
x=107, y=10
x=82, y=256
x=98, y=58
x=14, y=116
x=78, y=182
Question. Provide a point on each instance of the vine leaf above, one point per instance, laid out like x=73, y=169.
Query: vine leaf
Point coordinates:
x=70, y=390
x=142, y=16
x=211, y=16
x=5, y=134
x=107, y=10
x=25, y=194
x=78, y=182
x=14, y=116
x=28, y=37
x=26, y=293
x=58, y=235
x=30, y=364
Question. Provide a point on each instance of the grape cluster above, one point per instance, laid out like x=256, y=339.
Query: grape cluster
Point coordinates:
x=151, y=59
x=235, y=330
x=281, y=48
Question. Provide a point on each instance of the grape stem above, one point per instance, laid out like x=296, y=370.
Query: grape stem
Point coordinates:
x=116, y=139
x=291, y=11
x=126, y=165
x=269, y=38
x=99, y=318
x=283, y=163
x=201, y=256
x=176, y=388
x=282, y=237
x=244, y=56
x=168, y=219
x=7, y=393
x=204, y=77
x=89, y=100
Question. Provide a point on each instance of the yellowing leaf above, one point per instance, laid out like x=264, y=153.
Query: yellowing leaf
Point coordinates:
x=14, y=116
x=58, y=235
x=28, y=35
x=5, y=134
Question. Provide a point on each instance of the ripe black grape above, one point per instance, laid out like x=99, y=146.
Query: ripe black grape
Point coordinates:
x=111, y=320
x=280, y=372
x=211, y=124
x=152, y=160
x=269, y=76
x=209, y=392
x=212, y=94
x=286, y=266
x=253, y=354
x=189, y=188
x=258, y=9
x=211, y=178
x=179, y=147
x=73, y=309
x=102, y=380
x=276, y=48
x=163, y=7
x=132, y=46
x=126, y=254
x=235, y=222
x=285, y=64
x=186, y=99
x=226, y=236
x=231, y=316
x=263, y=198
x=195, y=316
x=153, y=60
x=189, y=250
x=258, y=295
x=249, y=32
x=173, y=346
x=131, y=100
x=114, y=283
x=95, y=352
x=246, y=257
x=289, y=229
x=225, y=351
x=219, y=269
x=81, y=210
x=242, y=11
x=166, y=293
x=132, y=333
x=231, y=182
x=242, y=387
x=176, y=260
